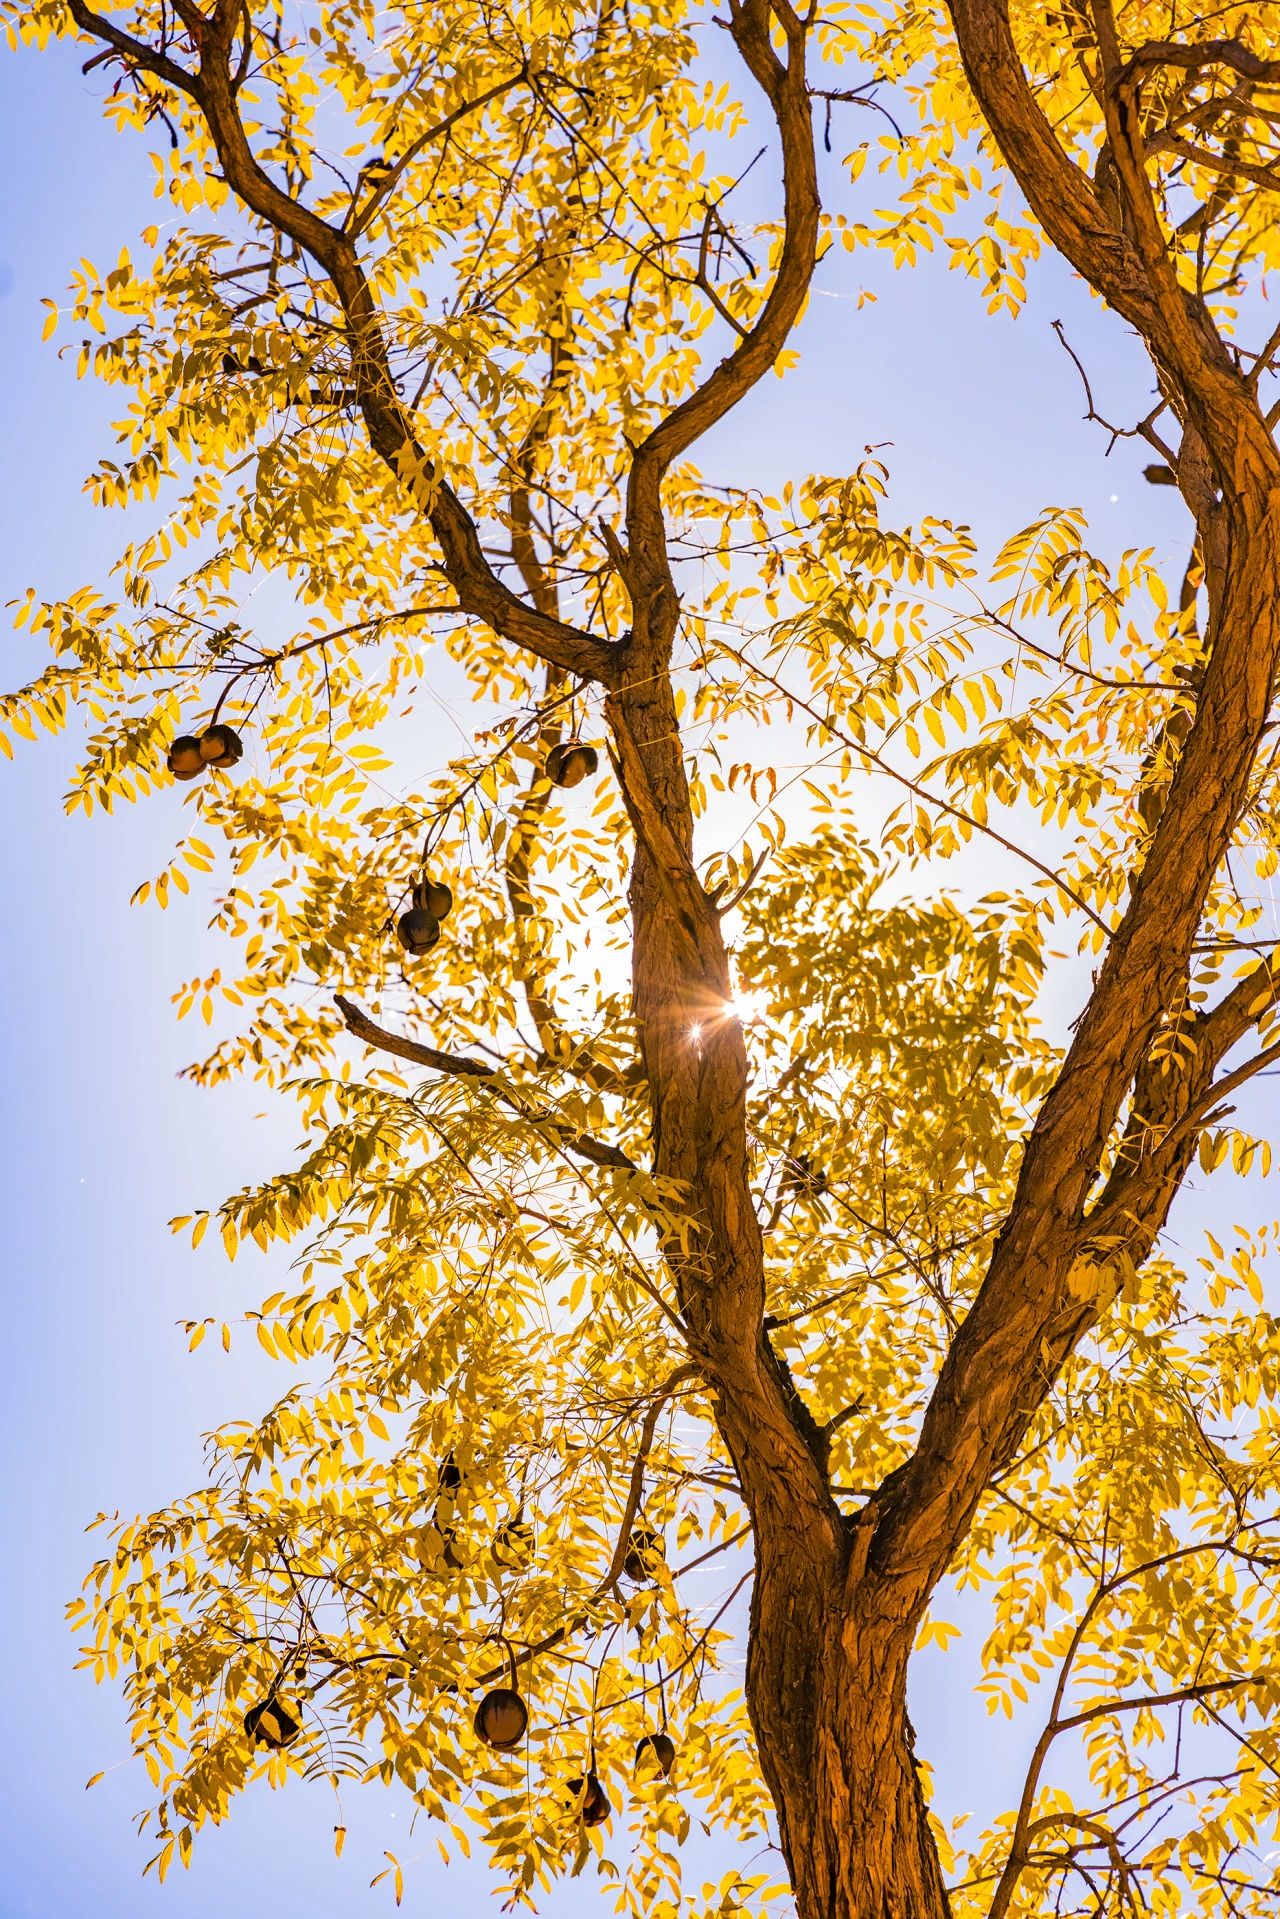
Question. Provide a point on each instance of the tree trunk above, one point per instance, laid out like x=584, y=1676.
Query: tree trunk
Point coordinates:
x=827, y=1658
x=827, y=1693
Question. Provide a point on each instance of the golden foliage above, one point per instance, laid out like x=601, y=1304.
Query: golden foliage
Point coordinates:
x=549, y=207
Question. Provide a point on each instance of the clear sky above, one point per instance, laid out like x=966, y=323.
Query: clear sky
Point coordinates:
x=102, y=1144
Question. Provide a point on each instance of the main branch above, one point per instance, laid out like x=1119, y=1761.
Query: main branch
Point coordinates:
x=481, y=593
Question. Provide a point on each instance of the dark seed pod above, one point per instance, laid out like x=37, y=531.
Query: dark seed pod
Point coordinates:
x=184, y=758
x=417, y=931
x=221, y=746
x=644, y=1554
x=590, y=1799
x=501, y=1718
x=434, y=897
x=571, y=762
x=513, y=1543
x=270, y=1723
x=656, y=1751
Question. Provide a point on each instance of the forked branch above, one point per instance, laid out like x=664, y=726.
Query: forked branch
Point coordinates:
x=481, y=593
x=1027, y=1319
x=785, y=86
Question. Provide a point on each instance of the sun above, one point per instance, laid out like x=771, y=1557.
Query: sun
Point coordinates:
x=748, y=1005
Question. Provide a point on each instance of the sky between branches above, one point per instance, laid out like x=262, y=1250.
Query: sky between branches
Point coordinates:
x=102, y=1144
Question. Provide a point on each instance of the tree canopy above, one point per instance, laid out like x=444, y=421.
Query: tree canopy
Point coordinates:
x=714, y=1177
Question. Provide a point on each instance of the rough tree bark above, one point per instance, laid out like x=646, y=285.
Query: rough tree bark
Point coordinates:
x=836, y=1605
x=837, y=1602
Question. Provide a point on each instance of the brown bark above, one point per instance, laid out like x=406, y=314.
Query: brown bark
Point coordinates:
x=827, y=1661
x=836, y=1603
x=826, y=1681
x=833, y=1619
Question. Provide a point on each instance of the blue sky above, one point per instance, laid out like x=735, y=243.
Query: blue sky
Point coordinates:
x=102, y=1144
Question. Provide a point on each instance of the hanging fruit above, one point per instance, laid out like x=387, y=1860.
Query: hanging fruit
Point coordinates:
x=184, y=758
x=417, y=931
x=656, y=1751
x=571, y=762
x=433, y=897
x=270, y=1723
x=590, y=1799
x=644, y=1554
x=221, y=746
x=501, y=1718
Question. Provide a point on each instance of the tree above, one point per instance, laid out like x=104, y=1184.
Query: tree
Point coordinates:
x=737, y=1193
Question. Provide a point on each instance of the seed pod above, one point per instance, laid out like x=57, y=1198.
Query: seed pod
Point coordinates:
x=644, y=1554
x=571, y=762
x=656, y=1751
x=513, y=1543
x=501, y=1718
x=221, y=746
x=433, y=897
x=270, y=1723
x=184, y=758
x=417, y=931
x=590, y=1799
